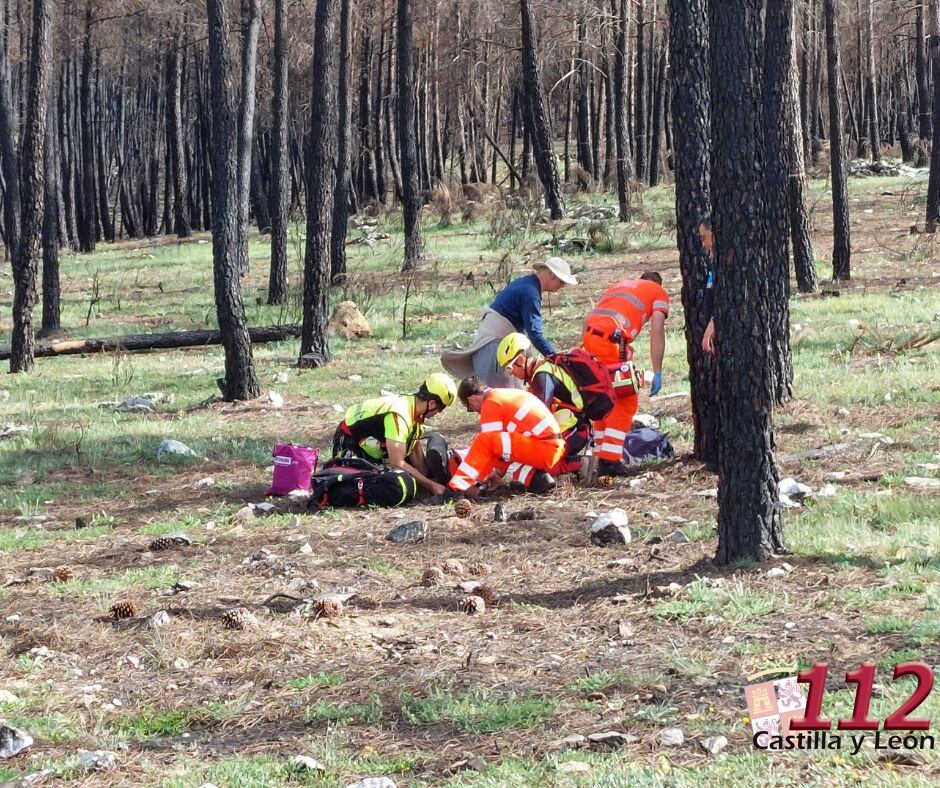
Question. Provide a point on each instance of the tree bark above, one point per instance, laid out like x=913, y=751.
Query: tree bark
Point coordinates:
x=88, y=227
x=229, y=242
x=9, y=160
x=279, y=184
x=51, y=291
x=871, y=86
x=321, y=173
x=536, y=115
x=583, y=108
x=246, y=115
x=176, y=141
x=933, y=185
x=749, y=522
x=841, y=251
x=639, y=101
x=658, y=115
x=32, y=187
x=688, y=41
x=923, y=95
x=341, y=198
x=621, y=108
x=411, y=191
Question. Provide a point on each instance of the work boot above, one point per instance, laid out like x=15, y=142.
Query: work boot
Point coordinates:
x=436, y=458
x=542, y=483
x=611, y=468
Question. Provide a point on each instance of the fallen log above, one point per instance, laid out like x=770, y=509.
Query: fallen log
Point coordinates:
x=137, y=342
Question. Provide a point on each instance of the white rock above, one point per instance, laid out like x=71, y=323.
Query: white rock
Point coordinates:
x=786, y=567
x=264, y=507
x=97, y=759
x=305, y=548
x=929, y=466
x=7, y=697
x=789, y=625
x=671, y=737
x=876, y=436
x=922, y=482
x=339, y=408
x=727, y=640
x=835, y=476
x=169, y=447
x=843, y=412
x=853, y=323
x=181, y=664
x=13, y=741
x=826, y=491
x=713, y=744
x=574, y=769
x=244, y=515
x=206, y=481
x=355, y=378
x=712, y=493
x=777, y=571
x=275, y=399
x=645, y=420
x=305, y=762
x=294, y=522
x=792, y=489
x=282, y=377
x=160, y=619
x=617, y=517
x=677, y=537
x=373, y=782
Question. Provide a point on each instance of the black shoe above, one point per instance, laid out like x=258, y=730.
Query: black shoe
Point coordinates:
x=435, y=457
x=542, y=483
x=611, y=468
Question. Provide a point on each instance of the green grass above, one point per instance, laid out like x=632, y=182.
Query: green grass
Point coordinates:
x=316, y=681
x=153, y=723
x=369, y=713
x=161, y=576
x=478, y=710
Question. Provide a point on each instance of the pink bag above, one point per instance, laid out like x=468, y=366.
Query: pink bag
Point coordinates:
x=293, y=466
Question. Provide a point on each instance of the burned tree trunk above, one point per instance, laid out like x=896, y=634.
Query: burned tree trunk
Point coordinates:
x=321, y=175
x=657, y=120
x=933, y=186
x=246, y=115
x=688, y=41
x=9, y=161
x=923, y=95
x=841, y=251
x=536, y=115
x=88, y=224
x=229, y=243
x=871, y=86
x=341, y=198
x=749, y=522
x=175, y=134
x=410, y=187
x=32, y=187
x=621, y=109
x=639, y=101
x=279, y=185
x=51, y=291
x=583, y=106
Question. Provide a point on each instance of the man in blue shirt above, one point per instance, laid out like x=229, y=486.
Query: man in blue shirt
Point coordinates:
x=517, y=308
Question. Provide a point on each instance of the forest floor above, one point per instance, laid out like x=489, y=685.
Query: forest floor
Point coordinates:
x=580, y=640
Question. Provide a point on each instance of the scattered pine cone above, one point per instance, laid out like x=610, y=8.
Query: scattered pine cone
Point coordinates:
x=478, y=568
x=328, y=608
x=123, y=609
x=471, y=604
x=453, y=567
x=432, y=577
x=487, y=594
x=236, y=618
x=162, y=543
x=62, y=574
x=463, y=507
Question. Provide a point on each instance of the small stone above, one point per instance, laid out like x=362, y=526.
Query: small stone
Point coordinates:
x=160, y=619
x=922, y=482
x=453, y=566
x=499, y=513
x=169, y=447
x=610, y=740
x=244, y=515
x=432, y=577
x=727, y=640
x=409, y=533
x=373, y=782
x=13, y=741
x=282, y=377
x=294, y=522
x=524, y=515
x=469, y=586
x=97, y=760
x=7, y=697
x=826, y=491
x=355, y=378
x=305, y=548
x=275, y=399
x=713, y=744
x=573, y=742
x=180, y=664
x=671, y=737
x=306, y=763
x=339, y=408
x=712, y=493
x=786, y=567
x=625, y=630
x=610, y=529
x=677, y=537
x=843, y=412
x=835, y=476
x=574, y=769
x=208, y=481
x=264, y=507
x=789, y=625
x=777, y=571
x=793, y=490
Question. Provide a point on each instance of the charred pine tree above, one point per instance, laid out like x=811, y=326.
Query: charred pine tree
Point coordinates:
x=9, y=163
x=51, y=290
x=688, y=41
x=175, y=136
x=920, y=60
x=621, y=109
x=259, y=199
x=88, y=225
x=583, y=105
x=871, y=86
x=321, y=189
x=279, y=184
x=365, y=176
x=410, y=186
x=102, y=157
x=246, y=113
x=749, y=522
x=841, y=250
x=536, y=115
x=933, y=186
x=639, y=101
x=32, y=187
x=229, y=242
x=658, y=117
x=341, y=198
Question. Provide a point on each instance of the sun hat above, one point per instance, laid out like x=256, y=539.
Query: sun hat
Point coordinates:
x=560, y=268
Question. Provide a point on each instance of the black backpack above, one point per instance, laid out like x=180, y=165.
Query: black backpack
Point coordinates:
x=350, y=482
x=592, y=379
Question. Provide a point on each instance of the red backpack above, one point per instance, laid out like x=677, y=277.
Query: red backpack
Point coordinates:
x=592, y=379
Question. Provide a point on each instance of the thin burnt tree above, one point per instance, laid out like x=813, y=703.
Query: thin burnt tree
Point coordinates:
x=51, y=289
x=32, y=187
x=175, y=136
x=536, y=116
x=923, y=94
x=279, y=183
x=688, y=41
x=749, y=522
x=621, y=108
x=9, y=160
x=229, y=242
x=841, y=249
x=246, y=113
x=933, y=185
x=410, y=185
x=321, y=174
x=343, y=177
x=871, y=85
x=88, y=221
x=640, y=88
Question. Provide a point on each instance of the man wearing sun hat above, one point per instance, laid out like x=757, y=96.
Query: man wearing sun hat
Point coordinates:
x=517, y=308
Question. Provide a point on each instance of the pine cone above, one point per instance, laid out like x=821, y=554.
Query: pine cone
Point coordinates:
x=453, y=567
x=236, y=618
x=487, y=594
x=328, y=608
x=162, y=543
x=123, y=609
x=471, y=605
x=478, y=568
x=463, y=508
x=62, y=574
x=432, y=577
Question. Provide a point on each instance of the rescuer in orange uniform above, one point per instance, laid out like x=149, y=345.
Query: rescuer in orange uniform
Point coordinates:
x=609, y=331
x=518, y=435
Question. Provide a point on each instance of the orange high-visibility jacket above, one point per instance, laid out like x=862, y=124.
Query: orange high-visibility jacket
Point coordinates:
x=515, y=410
x=626, y=306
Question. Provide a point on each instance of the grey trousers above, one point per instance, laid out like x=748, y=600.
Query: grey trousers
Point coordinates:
x=485, y=367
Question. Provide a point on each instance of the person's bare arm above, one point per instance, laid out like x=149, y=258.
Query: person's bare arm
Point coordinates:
x=708, y=338
x=398, y=460
x=416, y=458
x=657, y=340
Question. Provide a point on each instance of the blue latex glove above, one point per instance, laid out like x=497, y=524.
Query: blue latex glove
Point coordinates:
x=657, y=383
